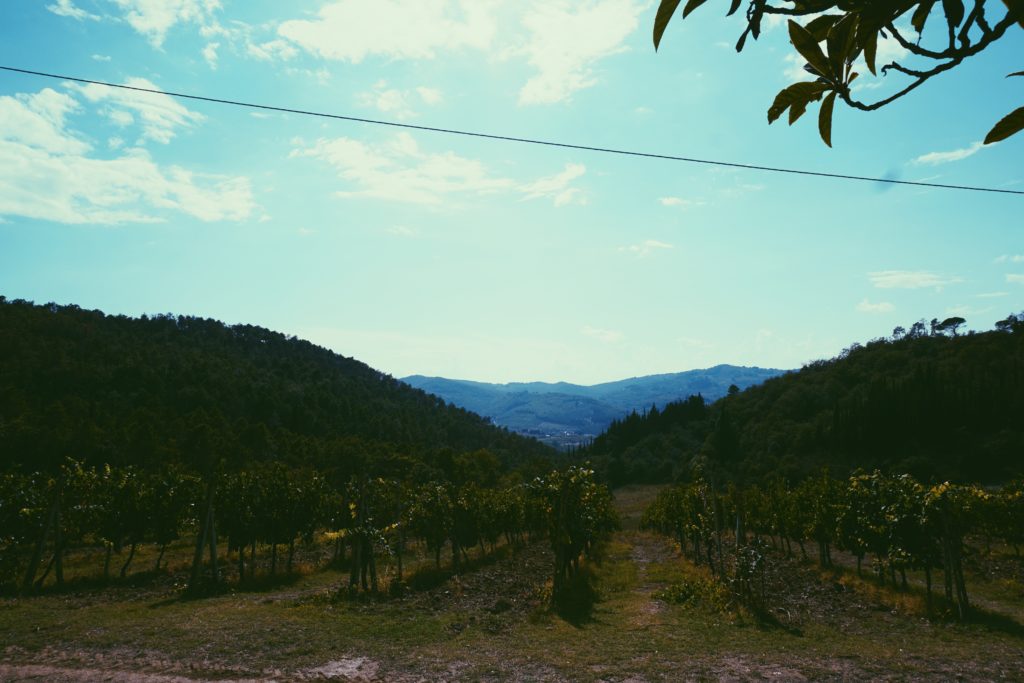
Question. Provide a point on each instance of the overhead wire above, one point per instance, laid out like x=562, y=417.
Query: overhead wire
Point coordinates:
x=511, y=138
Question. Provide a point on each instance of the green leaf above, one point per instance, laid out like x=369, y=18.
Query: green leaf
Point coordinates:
x=954, y=10
x=807, y=46
x=665, y=11
x=825, y=118
x=692, y=5
x=870, y=47
x=921, y=15
x=1015, y=73
x=840, y=45
x=1011, y=124
x=820, y=26
x=799, y=95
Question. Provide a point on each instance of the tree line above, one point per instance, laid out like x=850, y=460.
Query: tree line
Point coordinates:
x=929, y=400
x=140, y=391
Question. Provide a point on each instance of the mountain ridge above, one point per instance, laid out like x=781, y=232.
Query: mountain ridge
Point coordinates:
x=568, y=414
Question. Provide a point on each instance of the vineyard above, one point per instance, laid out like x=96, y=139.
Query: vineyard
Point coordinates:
x=895, y=522
x=273, y=508
x=660, y=614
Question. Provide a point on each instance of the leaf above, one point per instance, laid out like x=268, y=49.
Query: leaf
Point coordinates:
x=1015, y=73
x=692, y=5
x=797, y=109
x=1016, y=7
x=954, y=10
x=665, y=11
x=755, y=23
x=870, y=47
x=840, y=44
x=825, y=118
x=921, y=15
x=798, y=94
x=742, y=40
x=807, y=46
x=1011, y=124
x=735, y=6
x=819, y=26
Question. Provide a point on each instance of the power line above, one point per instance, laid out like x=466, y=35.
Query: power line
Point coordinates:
x=510, y=138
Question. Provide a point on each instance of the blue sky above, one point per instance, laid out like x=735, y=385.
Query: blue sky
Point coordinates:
x=423, y=253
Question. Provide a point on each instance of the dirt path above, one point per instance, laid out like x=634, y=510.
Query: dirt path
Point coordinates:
x=645, y=549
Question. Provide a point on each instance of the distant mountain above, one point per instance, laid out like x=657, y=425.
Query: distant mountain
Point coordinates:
x=567, y=414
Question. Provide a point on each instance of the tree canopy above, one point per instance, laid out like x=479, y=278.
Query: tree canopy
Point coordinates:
x=837, y=36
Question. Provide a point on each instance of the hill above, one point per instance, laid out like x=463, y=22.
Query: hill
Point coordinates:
x=142, y=391
x=566, y=414
x=938, y=406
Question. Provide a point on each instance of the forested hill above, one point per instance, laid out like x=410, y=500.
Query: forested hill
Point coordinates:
x=938, y=406
x=119, y=390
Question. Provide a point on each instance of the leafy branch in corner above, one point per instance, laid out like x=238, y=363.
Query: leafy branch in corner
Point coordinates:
x=838, y=32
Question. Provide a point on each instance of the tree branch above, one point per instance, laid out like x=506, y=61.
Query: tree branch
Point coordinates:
x=921, y=76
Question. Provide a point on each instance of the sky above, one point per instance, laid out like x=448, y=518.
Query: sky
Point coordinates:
x=423, y=253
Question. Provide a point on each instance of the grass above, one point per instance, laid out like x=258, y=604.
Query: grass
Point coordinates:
x=490, y=623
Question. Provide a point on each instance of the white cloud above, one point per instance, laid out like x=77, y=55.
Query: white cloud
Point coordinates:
x=101, y=58
x=47, y=173
x=566, y=39
x=67, y=8
x=154, y=18
x=645, y=248
x=210, y=54
x=321, y=76
x=1009, y=258
x=430, y=96
x=561, y=40
x=607, y=336
x=161, y=115
x=1015, y=278
x=38, y=120
x=272, y=49
x=400, y=171
x=397, y=103
x=793, y=68
x=402, y=231
x=910, y=279
x=556, y=187
x=866, y=306
x=351, y=30
x=680, y=202
x=935, y=158
x=120, y=117
x=992, y=295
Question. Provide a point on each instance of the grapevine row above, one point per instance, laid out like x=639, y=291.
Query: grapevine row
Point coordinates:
x=896, y=522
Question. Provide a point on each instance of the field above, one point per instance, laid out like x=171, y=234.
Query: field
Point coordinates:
x=492, y=623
